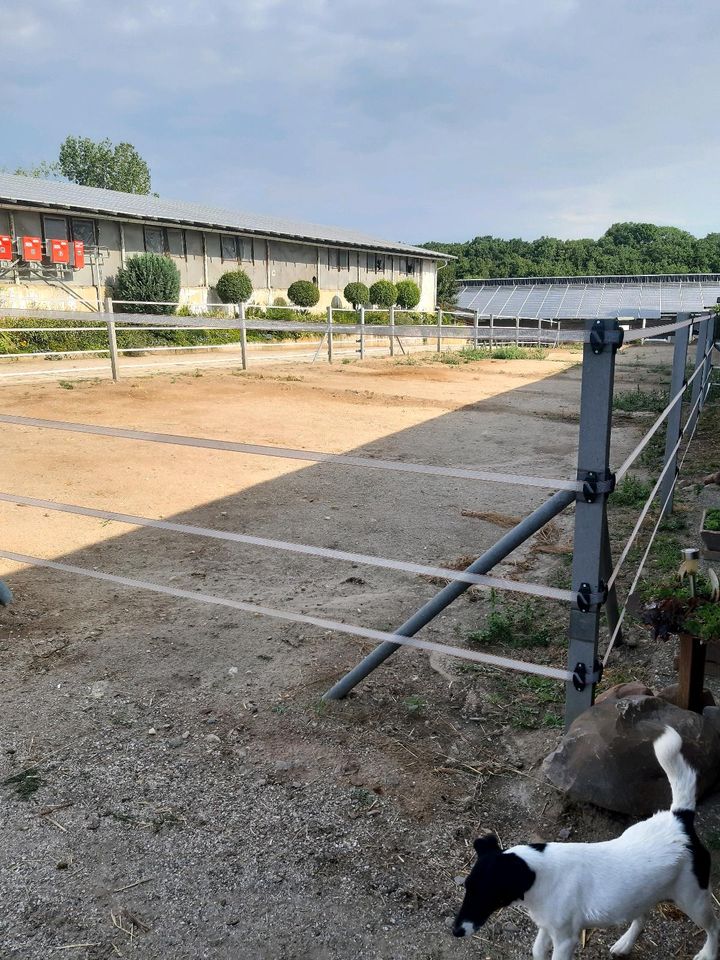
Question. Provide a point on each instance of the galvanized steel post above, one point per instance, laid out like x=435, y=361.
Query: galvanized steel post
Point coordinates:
x=505, y=545
x=112, y=339
x=330, y=333
x=362, y=332
x=491, y=331
x=697, y=386
x=476, y=323
x=243, y=335
x=439, y=323
x=673, y=430
x=710, y=339
x=598, y=375
x=392, y=330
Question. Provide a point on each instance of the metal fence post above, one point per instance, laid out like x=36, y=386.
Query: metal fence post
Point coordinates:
x=674, y=420
x=697, y=382
x=243, y=334
x=112, y=339
x=439, y=323
x=361, y=311
x=517, y=331
x=709, y=340
x=491, y=332
x=476, y=323
x=392, y=330
x=330, y=333
x=598, y=374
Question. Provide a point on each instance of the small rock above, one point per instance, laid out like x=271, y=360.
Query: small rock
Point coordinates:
x=511, y=928
x=175, y=742
x=62, y=865
x=232, y=671
x=152, y=731
x=213, y=738
x=459, y=881
x=449, y=922
x=565, y=833
x=93, y=822
x=99, y=688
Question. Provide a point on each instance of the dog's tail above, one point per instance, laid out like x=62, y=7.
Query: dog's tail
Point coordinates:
x=682, y=777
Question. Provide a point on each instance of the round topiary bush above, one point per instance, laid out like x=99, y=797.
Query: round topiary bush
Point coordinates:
x=148, y=277
x=383, y=294
x=357, y=294
x=234, y=286
x=408, y=294
x=303, y=293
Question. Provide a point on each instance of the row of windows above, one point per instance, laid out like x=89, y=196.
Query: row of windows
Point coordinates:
x=171, y=240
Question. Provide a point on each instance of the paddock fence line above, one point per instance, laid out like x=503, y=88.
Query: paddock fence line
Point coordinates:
x=593, y=589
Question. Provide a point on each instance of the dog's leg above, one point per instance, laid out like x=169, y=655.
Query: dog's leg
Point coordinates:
x=700, y=911
x=542, y=945
x=628, y=940
x=564, y=943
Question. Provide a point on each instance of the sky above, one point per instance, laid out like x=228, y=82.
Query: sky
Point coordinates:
x=412, y=120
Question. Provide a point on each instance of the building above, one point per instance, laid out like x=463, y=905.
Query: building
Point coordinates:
x=204, y=242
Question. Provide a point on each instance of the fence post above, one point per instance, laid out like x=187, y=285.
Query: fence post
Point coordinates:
x=392, y=330
x=439, y=324
x=476, y=323
x=674, y=421
x=112, y=339
x=709, y=341
x=243, y=334
x=517, y=331
x=491, y=331
x=362, y=331
x=330, y=333
x=700, y=348
x=598, y=374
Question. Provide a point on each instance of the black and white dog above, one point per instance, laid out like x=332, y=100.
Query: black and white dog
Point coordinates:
x=570, y=887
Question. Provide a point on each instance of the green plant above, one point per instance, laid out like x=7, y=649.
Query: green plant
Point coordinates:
x=631, y=401
x=303, y=293
x=25, y=783
x=383, y=294
x=630, y=492
x=673, y=607
x=357, y=294
x=712, y=520
x=414, y=703
x=408, y=294
x=511, y=625
x=148, y=277
x=234, y=286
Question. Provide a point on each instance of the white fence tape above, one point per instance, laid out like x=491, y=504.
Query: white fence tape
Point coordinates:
x=287, y=453
x=537, y=590
x=332, y=625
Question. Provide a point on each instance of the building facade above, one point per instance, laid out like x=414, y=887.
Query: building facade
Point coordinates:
x=203, y=242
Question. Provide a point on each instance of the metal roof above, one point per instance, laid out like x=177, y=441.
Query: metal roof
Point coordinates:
x=71, y=196
x=534, y=299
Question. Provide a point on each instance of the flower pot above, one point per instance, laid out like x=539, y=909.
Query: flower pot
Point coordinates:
x=711, y=538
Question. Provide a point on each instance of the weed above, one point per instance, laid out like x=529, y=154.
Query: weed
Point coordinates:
x=511, y=625
x=633, y=401
x=362, y=796
x=673, y=521
x=66, y=385
x=630, y=492
x=25, y=783
x=414, y=703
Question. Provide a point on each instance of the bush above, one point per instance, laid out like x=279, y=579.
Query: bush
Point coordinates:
x=234, y=287
x=357, y=294
x=151, y=277
x=408, y=294
x=303, y=293
x=383, y=293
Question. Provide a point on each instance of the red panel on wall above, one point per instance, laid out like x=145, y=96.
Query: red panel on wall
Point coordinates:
x=32, y=248
x=79, y=254
x=59, y=251
x=6, y=251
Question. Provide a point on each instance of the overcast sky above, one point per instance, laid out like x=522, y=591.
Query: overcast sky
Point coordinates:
x=410, y=119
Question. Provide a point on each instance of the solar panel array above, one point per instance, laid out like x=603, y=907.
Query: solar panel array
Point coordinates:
x=574, y=301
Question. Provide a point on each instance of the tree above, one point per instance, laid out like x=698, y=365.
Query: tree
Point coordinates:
x=357, y=294
x=408, y=294
x=303, y=293
x=446, y=287
x=148, y=277
x=234, y=286
x=383, y=294
x=104, y=164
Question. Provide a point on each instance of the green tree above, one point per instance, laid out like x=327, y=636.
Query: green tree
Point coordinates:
x=148, y=277
x=447, y=287
x=234, y=286
x=104, y=164
x=383, y=294
x=303, y=293
x=357, y=294
x=408, y=294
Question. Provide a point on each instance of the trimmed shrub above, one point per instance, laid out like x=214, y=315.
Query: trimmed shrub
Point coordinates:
x=357, y=294
x=383, y=294
x=408, y=294
x=151, y=277
x=234, y=287
x=303, y=293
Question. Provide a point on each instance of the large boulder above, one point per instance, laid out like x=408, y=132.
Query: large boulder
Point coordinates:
x=607, y=757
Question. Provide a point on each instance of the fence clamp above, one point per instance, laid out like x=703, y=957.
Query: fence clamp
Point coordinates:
x=587, y=598
x=593, y=484
x=601, y=336
x=580, y=677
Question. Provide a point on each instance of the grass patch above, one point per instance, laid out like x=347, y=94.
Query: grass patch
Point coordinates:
x=630, y=492
x=635, y=401
x=512, y=625
x=414, y=703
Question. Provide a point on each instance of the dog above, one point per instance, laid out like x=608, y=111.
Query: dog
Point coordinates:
x=570, y=887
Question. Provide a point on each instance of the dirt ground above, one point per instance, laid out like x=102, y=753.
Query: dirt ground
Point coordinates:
x=171, y=785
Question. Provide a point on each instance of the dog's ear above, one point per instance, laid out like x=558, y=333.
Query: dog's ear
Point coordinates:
x=487, y=844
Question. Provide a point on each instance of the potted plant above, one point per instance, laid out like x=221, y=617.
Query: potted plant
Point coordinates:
x=710, y=529
x=688, y=606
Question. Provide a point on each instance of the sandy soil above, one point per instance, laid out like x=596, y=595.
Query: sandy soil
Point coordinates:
x=188, y=795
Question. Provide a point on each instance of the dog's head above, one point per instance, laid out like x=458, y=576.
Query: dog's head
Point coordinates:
x=496, y=880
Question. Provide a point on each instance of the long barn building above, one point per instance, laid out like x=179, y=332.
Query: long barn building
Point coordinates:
x=204, y=242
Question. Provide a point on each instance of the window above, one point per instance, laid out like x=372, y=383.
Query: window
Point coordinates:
x=175, y=244
x=410, y=267
x=338, y=259
x=83, y=230
x=375, y=263
x=154, y=240
x=55, y=228
x=246, y=249
x=228, y=247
